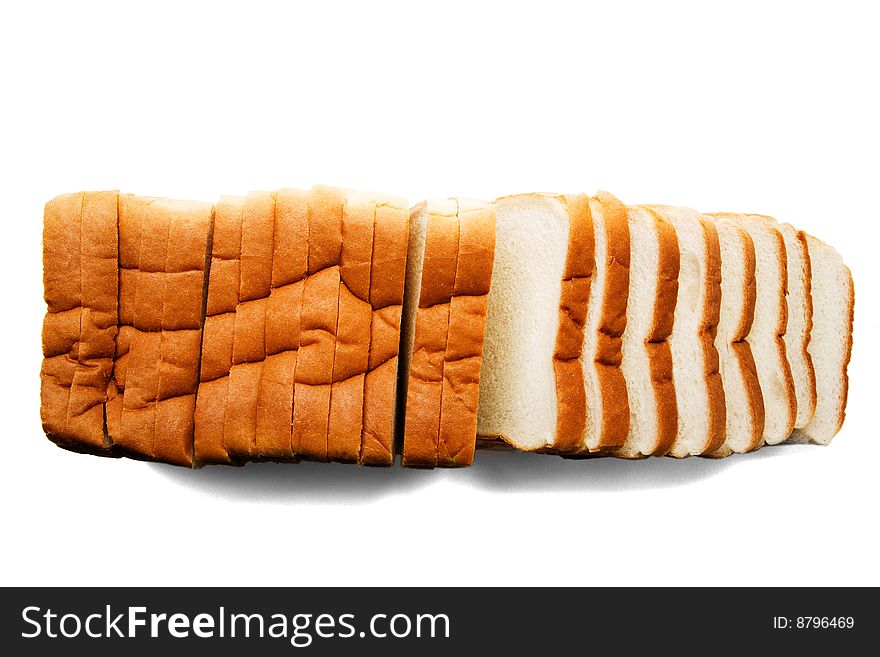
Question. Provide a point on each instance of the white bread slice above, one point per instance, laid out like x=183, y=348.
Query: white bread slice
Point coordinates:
x=531, y=385
x=698, y=387
x=647, y=358
x=768, y=328
x=830, y=342
x=744, y=419
x=799, y=303
x=607, y=421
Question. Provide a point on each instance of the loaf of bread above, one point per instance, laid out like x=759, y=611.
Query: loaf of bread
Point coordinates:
x=335, y=325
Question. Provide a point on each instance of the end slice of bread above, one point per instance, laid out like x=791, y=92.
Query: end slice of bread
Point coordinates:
x=698, y=387
x=646, y=354
x=830, y=342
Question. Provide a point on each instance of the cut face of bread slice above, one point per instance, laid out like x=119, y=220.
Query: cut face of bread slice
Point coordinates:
x=766, y=337
x=79, y=330
x=830, y=342
x=799, y=302
x=647, y=358
x=698, y=387
x=744, y=418
x=607, y=422
x=531, y=386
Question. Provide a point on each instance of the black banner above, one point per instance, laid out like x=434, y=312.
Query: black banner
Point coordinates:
x=432, y=620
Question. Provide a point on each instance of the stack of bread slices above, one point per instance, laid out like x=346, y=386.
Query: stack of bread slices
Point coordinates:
x=334, y=325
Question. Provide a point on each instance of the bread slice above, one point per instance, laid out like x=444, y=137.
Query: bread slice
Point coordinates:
x=433, y=249
x=467, y=326
x=224, y=282
x=80, y=279
x=161, y=352
x=607, y=409
x=766, y=337
x=830, y=341
x=744, y=418
x=249, y=326
x=531, y=386
x=320, y=312
x=387, y=279
x=799, y=313
x=350, y=361
x=698, y=386
x=646, y=353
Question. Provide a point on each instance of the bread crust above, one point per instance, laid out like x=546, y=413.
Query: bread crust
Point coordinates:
x=80, y=275
x=425, y=387
x=709, y=331
x=351, y=360
x=161, y=369
x=224, y=281
x=571, y=401
x=387, y=279
x=657, y=343
x=467, y=329
x=612, y=324
x=283, y=321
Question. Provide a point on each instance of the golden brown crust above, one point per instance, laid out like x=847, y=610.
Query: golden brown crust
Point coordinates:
x=708, y=331
x=808, y=313
x=224, y=280
x=249, y=325
x=467, y=328
x=320, y=312
x=741, y=347
x=283, y=313
x=657, y=344
x=571, y=402
x=425, y=388
x=612, y=324
x=353, y=339
x=387, y=278
x=161, y=372
x=80, y=247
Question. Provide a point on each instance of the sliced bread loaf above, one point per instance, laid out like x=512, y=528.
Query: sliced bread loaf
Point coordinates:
x=646, y=354
x=830, y=340
x=766, y=337
x=698, y=386
x=744, y=417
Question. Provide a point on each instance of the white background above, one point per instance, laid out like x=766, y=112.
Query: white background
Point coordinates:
x=764, y=106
